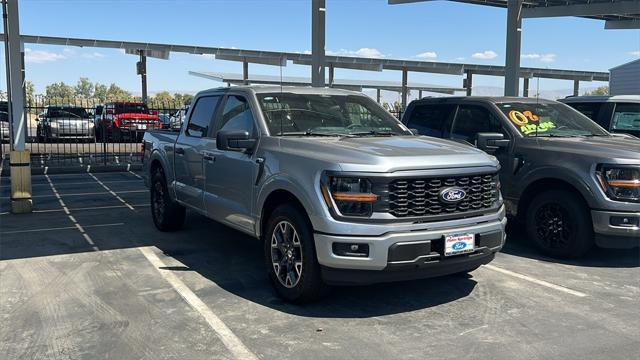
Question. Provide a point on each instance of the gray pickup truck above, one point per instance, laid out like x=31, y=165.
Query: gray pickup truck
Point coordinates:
x=338, y=190
x=569, y=181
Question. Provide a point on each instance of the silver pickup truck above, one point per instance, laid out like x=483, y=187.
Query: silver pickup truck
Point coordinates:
x=338, y=190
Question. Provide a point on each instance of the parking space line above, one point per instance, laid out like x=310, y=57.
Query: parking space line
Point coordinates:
x=84, y=208
x=535, y=281
x=58, y=228
x=80, y=183
x=86, y=194
x=113, y=193
x=68, y=212
x=136, y=175
x=228, y=338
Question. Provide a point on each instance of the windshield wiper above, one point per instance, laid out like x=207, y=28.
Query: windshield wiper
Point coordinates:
x=374, y=133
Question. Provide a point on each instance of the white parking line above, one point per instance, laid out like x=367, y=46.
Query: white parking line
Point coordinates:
x=86, y=194
x=84, y=208
x=136, y=175
x=58, y=228
x=228, y=338
x=80, y=183
x=113, y=193
x=66, y=211
x=535, y=281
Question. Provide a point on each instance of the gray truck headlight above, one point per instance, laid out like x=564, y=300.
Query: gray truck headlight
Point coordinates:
x=620, y=182
x=352, y=196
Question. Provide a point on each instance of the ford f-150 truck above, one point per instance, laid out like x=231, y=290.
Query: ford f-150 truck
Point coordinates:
x=569, y=181
x=338, y=190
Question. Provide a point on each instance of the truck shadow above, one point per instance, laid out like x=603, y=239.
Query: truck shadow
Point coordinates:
x=234, y=262
x=518, y=245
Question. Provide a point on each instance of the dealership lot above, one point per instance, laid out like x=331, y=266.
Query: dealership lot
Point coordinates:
x=88, y=274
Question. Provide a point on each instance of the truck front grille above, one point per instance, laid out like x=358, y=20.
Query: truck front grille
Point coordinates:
x=413, y=197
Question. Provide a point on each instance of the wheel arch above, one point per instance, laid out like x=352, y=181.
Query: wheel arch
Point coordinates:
x=272, y=201
x=545, y=184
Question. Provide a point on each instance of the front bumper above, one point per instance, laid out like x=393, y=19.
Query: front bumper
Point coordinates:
x=407, y=254
x=612, y=236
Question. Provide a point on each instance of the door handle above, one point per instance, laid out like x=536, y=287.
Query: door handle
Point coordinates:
x=180, y=151
x=208, y=157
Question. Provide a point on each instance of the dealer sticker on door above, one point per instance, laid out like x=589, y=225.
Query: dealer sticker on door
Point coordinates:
x=459, y=244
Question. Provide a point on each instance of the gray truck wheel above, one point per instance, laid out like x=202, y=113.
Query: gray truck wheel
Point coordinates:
x=167, y=214
x=290, y=256
x=559, y=224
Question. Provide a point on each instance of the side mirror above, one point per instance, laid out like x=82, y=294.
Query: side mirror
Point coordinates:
x=491, y=141
x=234, y=140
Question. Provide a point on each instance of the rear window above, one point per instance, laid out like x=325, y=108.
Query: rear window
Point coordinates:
x=431, y=120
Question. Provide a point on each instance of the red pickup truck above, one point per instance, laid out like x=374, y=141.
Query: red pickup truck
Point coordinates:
x=122, y=121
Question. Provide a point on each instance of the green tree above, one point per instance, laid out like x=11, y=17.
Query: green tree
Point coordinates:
x=100, y=92
x=602, y=90
x=29, y=91
x=114, y=92
x=84, y=88
x=163, y=97
x=59, y=91
x=183, y=99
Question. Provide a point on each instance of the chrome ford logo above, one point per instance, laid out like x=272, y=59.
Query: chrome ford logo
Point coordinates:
x=460, y=245
x=452, y=195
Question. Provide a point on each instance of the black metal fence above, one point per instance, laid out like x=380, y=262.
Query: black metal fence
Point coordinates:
x=79, y=132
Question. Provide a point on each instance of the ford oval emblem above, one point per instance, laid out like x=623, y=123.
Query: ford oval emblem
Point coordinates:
x=460, y=245
x=452, y=195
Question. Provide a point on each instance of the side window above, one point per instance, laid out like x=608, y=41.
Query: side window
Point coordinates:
x=626, y=118
x=202, y=115
x=431, y=120
x=589, y=110
x=471, y=120
x=236, y=115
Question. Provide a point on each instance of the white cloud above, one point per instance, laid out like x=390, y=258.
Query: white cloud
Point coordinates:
x=634, y=53
x=428, y=55
x=41, y=56
x=362, y=52
x=485, y=55
x=545, y=58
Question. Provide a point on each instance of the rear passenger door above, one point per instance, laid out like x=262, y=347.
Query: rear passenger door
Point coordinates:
x=190, y=151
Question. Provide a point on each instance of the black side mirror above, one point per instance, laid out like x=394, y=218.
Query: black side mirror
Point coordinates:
x=234, y=140
x=491, y=141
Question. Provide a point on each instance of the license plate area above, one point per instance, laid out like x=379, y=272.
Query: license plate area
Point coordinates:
x=459, y=244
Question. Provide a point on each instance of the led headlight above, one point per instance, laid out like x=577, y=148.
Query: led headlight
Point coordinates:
x=620, y=183
x=352, y=196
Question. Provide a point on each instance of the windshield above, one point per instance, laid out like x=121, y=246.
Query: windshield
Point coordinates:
x=549, y=119
x=67, y=112
x=132, y=109
x=331, y=115
x=626, y=119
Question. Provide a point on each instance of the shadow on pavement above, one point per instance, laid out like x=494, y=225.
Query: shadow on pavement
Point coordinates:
x=517, y=245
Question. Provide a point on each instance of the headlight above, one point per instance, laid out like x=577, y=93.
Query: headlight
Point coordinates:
x=352, y=196
x=620, y=182
x=53, y=124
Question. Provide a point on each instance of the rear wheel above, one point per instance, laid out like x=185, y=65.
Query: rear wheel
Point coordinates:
x=167, y=214
x=559, y=224
x=290, y=256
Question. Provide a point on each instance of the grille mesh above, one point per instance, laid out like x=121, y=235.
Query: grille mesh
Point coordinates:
x=421, y=196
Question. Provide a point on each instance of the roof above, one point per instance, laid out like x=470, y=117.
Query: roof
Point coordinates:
x=264, y=89
x=626, y=64
x=355, y=85
x=618, y=14
x=491, y=99
x=602, y=98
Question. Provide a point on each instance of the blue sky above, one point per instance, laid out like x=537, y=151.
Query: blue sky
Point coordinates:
x=439, y=30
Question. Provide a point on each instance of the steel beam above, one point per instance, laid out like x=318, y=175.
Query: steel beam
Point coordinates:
x=245, y=73
x=588, y=9
x=143, y=75
x=317, y=42
x=331, y=73
x=576, y=87
x=622, y=24
x=405, y=89
x=512, y=63
x=378, y=96
x=525, y=87
x=468, y=83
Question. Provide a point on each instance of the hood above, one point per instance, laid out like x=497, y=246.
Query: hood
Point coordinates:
x=597, y=147
x=384, y=154
x=139, y=116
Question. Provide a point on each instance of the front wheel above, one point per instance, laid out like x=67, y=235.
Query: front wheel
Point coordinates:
x=290, y=256
x=559, y=224
x=167, y=214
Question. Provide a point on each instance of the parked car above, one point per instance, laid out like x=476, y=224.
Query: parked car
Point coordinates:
x=178, y=118
x=128, y=121
x=58, y=122
x=567, y=179
x=165, y=119
x=337, y=189
x=4, y=122
x=618, y=114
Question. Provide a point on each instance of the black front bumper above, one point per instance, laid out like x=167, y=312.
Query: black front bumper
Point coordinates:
x=429, y=262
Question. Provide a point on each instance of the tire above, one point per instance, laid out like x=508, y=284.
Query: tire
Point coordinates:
x=559, y=224
x=167, y=214
x=292, y=265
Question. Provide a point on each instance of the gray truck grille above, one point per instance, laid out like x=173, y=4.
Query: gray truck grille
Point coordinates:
x=421, y=196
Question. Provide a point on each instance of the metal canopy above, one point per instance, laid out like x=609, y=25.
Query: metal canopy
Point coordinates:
x=346, y=62
x=618, y=14
x=356, y=85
